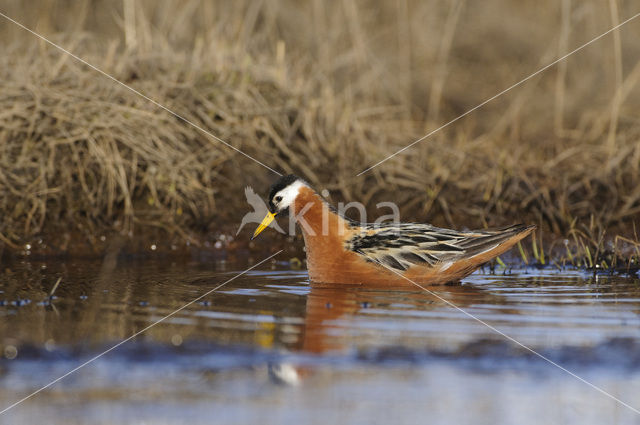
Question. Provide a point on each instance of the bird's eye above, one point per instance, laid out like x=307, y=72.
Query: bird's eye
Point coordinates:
x=278, y=198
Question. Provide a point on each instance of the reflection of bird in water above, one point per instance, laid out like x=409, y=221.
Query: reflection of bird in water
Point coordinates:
x=330, y=306
x=340, y=250
x=259, y=211
x=331, y=310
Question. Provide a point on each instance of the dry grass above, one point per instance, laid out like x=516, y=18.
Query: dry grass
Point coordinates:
x=323, y=91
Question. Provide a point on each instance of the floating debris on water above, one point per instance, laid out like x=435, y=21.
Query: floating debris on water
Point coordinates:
x=10, y=352
x=176, y=340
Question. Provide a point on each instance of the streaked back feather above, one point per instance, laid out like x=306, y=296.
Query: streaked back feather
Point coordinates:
x=402, y=245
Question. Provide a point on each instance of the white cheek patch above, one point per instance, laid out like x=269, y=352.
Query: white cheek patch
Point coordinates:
x=289, y=194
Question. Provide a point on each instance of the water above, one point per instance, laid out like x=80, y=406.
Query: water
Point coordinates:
x=268, y=347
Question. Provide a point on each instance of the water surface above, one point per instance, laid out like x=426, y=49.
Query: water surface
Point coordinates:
x=269, y=347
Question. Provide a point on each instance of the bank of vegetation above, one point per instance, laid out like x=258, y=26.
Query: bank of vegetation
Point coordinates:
x=324, y=91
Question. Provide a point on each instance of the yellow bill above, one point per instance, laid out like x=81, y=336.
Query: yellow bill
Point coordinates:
x=265, y=223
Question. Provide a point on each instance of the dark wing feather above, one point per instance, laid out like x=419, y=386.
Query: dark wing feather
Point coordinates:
x=402, y=245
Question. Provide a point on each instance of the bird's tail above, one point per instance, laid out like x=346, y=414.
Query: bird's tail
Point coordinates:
x=493, y=242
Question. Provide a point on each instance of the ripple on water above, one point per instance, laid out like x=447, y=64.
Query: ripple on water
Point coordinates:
x=329, y=334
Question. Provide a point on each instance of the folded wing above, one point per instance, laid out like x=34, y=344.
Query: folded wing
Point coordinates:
x=403, y=245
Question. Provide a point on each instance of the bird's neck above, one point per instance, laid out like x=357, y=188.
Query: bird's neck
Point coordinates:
x=315, y=217
x=325, y=233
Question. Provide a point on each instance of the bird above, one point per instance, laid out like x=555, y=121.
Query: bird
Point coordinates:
x=344, y=251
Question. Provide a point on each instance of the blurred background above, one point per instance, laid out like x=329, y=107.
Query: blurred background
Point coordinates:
x=324, y=91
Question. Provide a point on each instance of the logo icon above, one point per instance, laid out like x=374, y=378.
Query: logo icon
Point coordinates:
x=260, y=210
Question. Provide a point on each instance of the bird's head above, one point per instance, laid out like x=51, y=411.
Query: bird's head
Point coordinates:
x=282, y=196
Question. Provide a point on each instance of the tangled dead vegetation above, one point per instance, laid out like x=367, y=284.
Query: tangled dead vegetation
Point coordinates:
x=324, y=92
